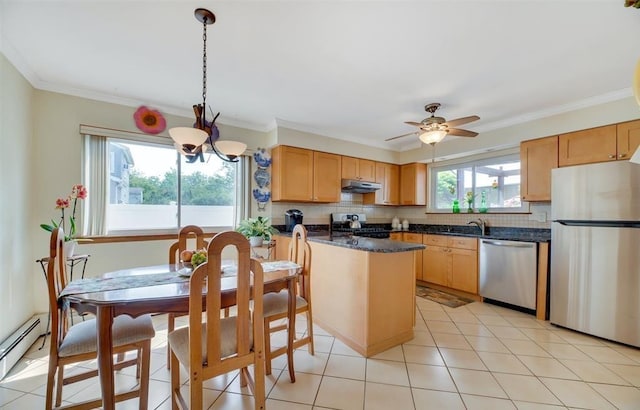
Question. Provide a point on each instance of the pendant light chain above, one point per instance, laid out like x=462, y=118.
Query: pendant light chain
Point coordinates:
x=204, y=71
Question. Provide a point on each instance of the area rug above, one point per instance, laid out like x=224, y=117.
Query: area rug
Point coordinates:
x=443, y=298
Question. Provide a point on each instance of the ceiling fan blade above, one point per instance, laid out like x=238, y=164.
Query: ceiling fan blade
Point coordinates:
x=463, y=120
x=400, y=136
x=415, y=124
x=461, y=133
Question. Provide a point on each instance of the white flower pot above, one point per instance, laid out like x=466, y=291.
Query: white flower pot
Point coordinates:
x=69, y=248
x=255, y=241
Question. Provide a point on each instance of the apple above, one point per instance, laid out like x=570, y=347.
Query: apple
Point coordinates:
x=185, y=256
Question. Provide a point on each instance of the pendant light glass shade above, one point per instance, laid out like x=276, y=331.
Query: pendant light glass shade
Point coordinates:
x=432, y=137
x=188, y=136
x=231, y=149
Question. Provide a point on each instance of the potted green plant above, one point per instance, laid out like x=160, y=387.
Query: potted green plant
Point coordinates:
x=257, y=230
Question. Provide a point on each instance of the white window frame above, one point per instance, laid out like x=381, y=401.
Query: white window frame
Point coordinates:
x=241, y=208
x=472, y=163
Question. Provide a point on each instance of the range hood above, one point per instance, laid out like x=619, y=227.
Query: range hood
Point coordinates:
x=359, y=187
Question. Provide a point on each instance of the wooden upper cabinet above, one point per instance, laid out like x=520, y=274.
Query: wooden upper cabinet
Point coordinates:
x=628, y=135
x=413, y=184
x=292, y=176
x=327, y=171
x=588, y=146
x=388, y=175
x=357, y=168
x=537, y=158
x=304, y=175
x=392, y=184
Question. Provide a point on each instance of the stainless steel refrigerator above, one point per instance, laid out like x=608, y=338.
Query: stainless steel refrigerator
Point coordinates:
x=595, y=250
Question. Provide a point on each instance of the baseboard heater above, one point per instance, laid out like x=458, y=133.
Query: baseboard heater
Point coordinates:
x=12, y=349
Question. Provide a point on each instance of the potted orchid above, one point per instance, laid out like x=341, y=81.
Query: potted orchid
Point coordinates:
x=78, y=191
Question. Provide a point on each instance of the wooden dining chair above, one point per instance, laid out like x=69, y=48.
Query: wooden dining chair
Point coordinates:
x=218, y=344
x=195, y=233
x=78, y=343
x=276, y=304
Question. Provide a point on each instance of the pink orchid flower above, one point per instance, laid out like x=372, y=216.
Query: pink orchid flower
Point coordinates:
x=62, y=203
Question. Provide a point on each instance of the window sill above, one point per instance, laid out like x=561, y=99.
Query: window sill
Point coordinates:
x=478, y=213
x=136, y=238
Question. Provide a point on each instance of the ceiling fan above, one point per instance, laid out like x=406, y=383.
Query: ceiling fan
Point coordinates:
x=433, y=129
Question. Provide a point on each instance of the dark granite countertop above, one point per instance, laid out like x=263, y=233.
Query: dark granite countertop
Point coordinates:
x=367, y=244
x=492, y=232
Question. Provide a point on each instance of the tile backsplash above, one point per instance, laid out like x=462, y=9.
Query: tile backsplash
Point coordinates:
x=539, y=216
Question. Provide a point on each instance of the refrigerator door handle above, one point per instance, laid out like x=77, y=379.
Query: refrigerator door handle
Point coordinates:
x=598, y=224
x=509, y=245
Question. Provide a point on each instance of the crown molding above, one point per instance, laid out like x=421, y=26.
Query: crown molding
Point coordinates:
x=559, y=109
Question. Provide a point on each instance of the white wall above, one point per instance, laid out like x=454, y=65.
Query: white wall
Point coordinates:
x=17, y=262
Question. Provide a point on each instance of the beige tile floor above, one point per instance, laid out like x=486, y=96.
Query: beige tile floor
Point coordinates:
x=478, y=356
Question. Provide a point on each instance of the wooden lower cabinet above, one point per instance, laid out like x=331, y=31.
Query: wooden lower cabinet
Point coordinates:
x=435, y=265
x=464, y=270
x=417, y=255
x=282, y=247
x=451, y=261
x=395, y=236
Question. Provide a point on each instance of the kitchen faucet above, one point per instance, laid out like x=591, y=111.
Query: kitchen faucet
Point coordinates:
x=480, y=223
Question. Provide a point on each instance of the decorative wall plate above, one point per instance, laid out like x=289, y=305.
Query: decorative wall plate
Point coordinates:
x=262, y=177
x=261, y=195
x=262, y=157
x=149, y=121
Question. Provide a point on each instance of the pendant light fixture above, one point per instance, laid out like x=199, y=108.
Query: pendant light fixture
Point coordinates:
x=192, y=141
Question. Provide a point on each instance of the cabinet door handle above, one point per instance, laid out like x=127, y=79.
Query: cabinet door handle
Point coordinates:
x=611, y=156
x=622, y=155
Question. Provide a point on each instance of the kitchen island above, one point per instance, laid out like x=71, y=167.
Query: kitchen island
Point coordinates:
x=363, y=290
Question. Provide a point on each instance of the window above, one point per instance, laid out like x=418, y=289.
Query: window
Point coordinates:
x=150, y=188
x=497, y=180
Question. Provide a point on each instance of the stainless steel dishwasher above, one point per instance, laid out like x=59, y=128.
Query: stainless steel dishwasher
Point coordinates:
x=508, y=272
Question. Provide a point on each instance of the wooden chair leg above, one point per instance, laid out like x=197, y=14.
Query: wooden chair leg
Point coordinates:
x=139, y=362
x=310, y=332
x=175, y=380
x=259, y=389
x=145, y=364
x=51, y=376
x=267, y=346
x=59, y=385
x=195, y=392
x=171, y=325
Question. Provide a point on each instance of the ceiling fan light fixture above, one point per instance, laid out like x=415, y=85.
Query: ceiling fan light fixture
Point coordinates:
x=191, y=141
x=432, y=136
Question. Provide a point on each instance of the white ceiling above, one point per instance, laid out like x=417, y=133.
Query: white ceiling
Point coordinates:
x=353, y=70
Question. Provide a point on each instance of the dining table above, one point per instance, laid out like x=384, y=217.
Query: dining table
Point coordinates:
x=161, y=289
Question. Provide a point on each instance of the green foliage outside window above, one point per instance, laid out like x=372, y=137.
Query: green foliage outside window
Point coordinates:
x=197, y=188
